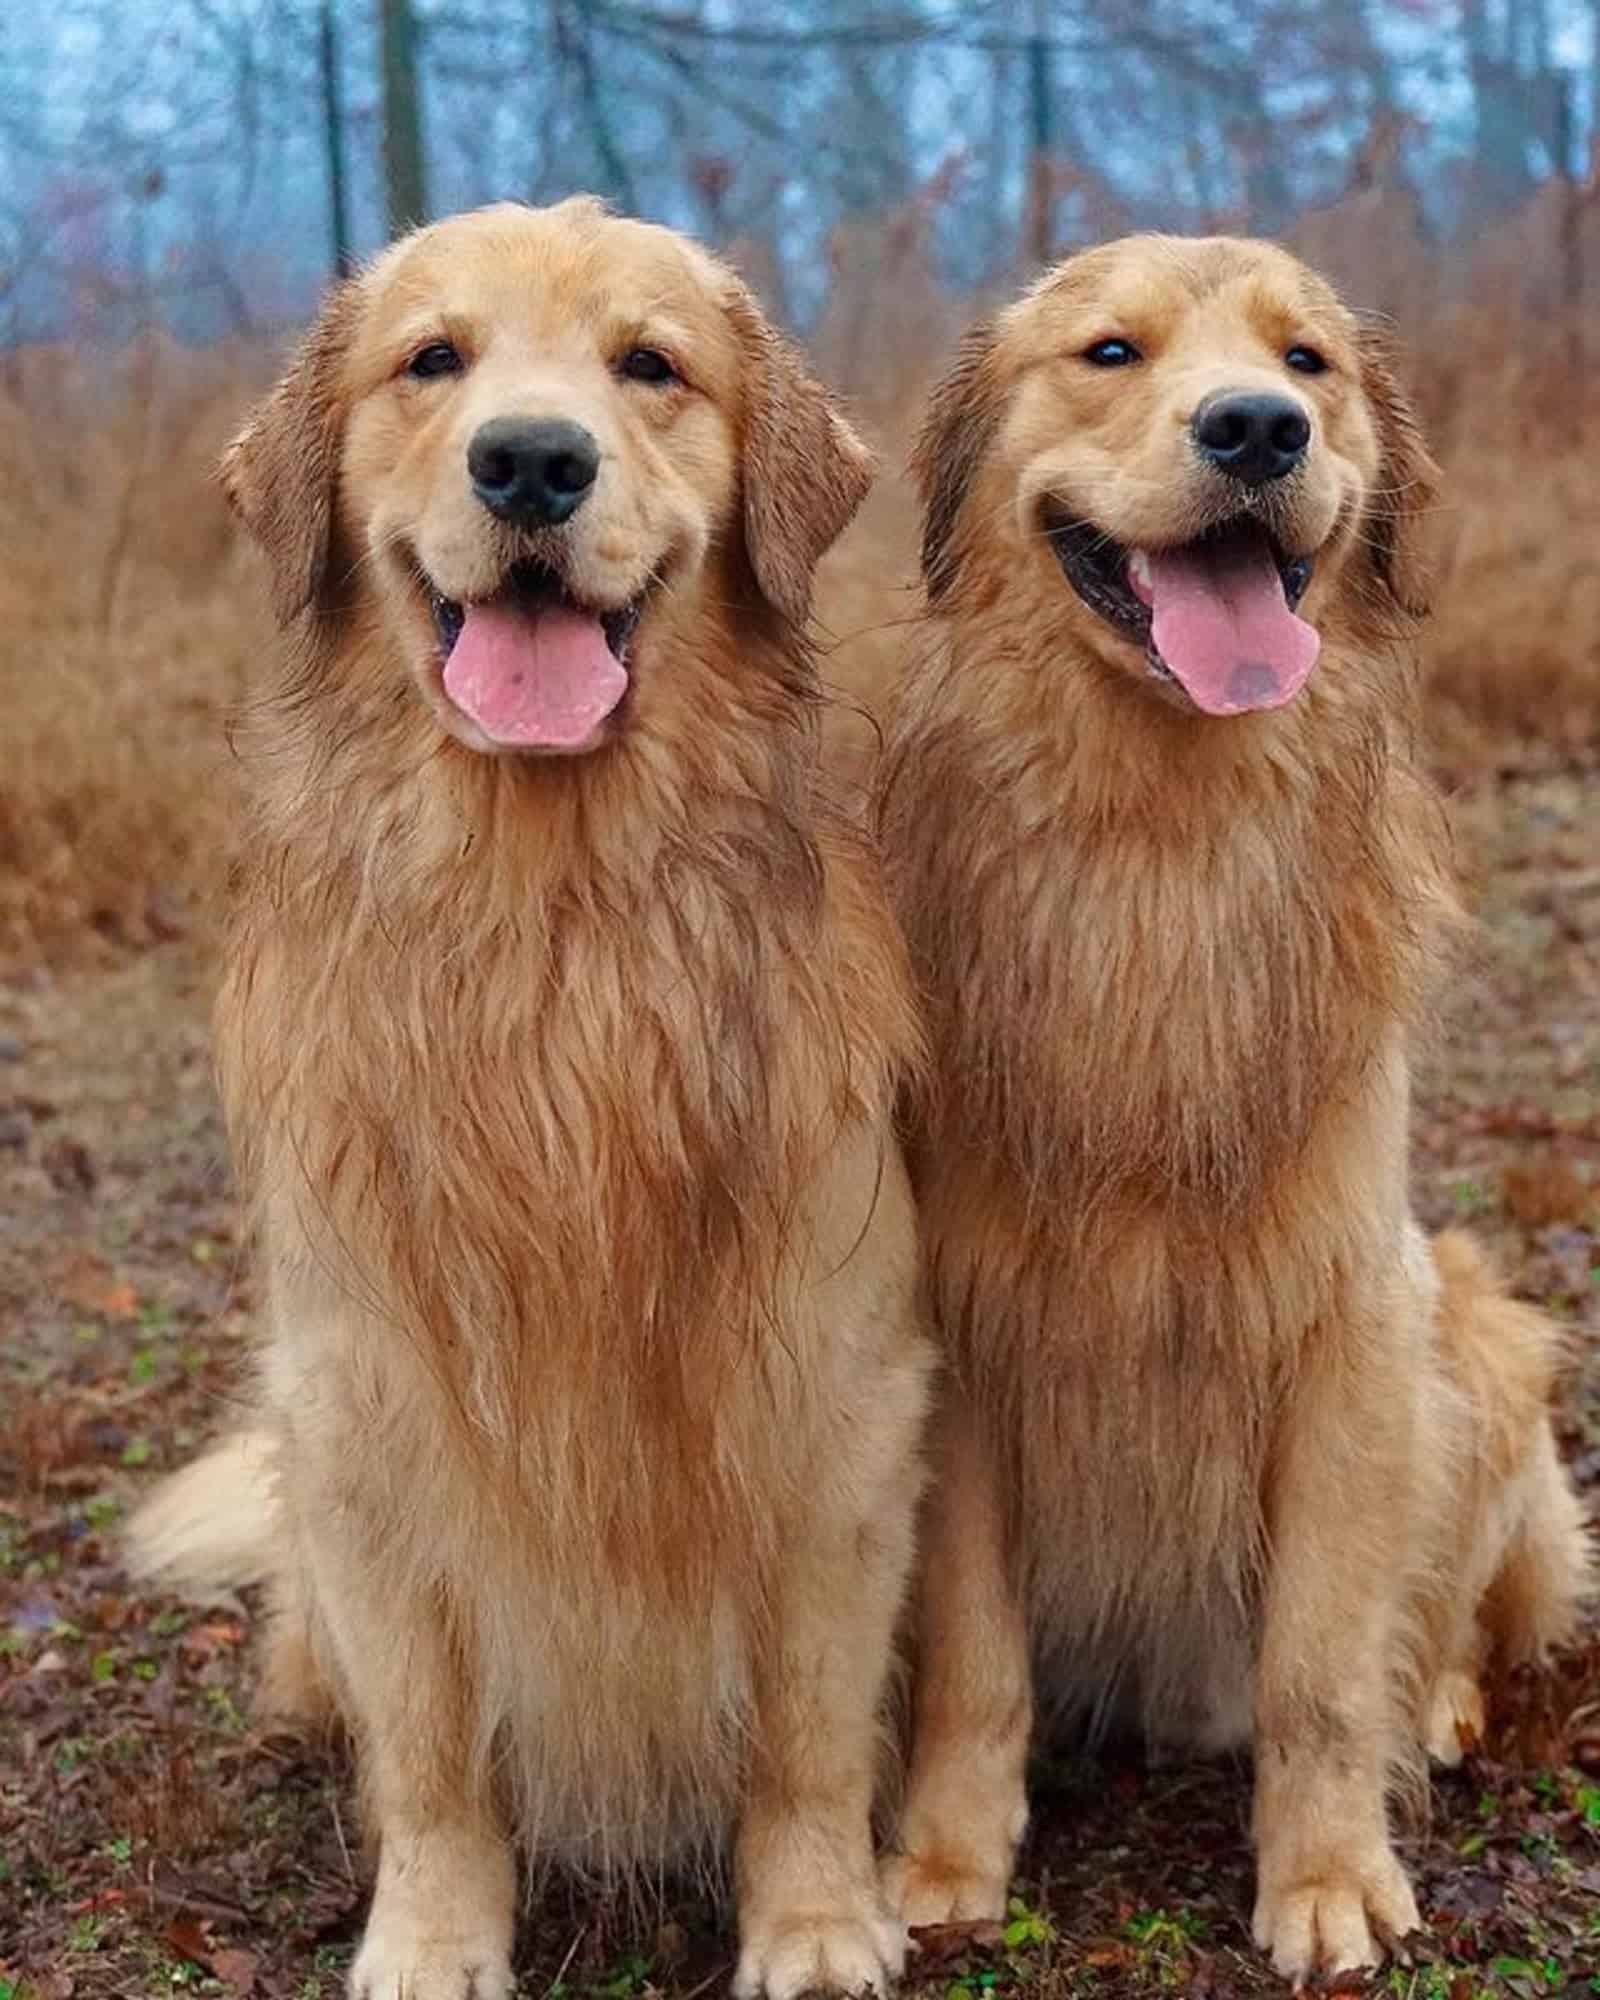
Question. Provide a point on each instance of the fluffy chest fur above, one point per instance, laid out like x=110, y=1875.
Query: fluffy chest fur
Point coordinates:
x=537, y=1065
x=1155, y=961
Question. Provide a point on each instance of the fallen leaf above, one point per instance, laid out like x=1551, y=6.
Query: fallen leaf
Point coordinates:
x=938, y=1943
x=203, y=1641
x=1545, y=1189
x=102, y=1900
x=187, y=1939
x=70, y=1165
x=90, y=1285
x=236, y=1970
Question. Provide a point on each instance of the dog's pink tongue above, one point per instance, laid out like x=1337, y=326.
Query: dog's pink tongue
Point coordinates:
x=533, y=679
x=1221, y=622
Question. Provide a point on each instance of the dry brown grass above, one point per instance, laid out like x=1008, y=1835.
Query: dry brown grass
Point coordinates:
x=1498, y=340
x=130, y=609
x=1514, y=647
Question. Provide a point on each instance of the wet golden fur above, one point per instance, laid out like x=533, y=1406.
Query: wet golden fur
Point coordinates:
x=1221, y=1460
x=591, y=1372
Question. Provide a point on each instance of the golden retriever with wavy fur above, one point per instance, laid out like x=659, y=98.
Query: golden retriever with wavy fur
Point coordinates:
x=561, y=1023
x=1233, y=1451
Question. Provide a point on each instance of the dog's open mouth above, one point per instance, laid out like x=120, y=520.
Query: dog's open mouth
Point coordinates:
x=531, y=667
x=1216, y=616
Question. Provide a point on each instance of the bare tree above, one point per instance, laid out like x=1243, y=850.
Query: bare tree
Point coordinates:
x=405, y=179
x=333, y=137
x=769, y=123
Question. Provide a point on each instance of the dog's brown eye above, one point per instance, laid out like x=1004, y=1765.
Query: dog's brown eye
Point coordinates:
x=647, y=364
x=1306, y=360
x=1111, y=353
x=437, y=358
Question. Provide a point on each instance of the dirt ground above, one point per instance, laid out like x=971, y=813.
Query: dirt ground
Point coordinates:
x=153, y=1840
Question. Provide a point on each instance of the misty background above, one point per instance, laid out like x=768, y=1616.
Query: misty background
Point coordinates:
x=203, y=166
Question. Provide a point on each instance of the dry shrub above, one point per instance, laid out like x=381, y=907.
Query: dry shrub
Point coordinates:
x=128, y=610
x=131, y=608
x=1514, y=645
x=888, y=322
x=1497, y=339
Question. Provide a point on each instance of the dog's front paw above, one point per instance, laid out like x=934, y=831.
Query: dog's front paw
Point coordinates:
x=1339, y=1921
x=935, y=1885
x=859, y=1953
x=441, y=1921
x=394, y=1965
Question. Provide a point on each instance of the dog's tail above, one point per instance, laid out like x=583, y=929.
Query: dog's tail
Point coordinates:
x=1507, y=1357
x=213, y=1526
x=219, y=1525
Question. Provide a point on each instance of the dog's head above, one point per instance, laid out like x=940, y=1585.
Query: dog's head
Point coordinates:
x=533, y=435
x=1199, y=444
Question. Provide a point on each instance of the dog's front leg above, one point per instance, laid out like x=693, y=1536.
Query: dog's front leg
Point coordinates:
x=440, y=1926
x=811, y=1916
x=1342, y=1505
x=966, y=1803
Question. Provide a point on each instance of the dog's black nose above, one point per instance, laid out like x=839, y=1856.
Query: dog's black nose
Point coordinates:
x=1252, y=438
x=532, y=473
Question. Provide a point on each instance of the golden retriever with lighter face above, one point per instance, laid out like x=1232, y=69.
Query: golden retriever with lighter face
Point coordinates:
x=560, y=1029
x=1232, y=1450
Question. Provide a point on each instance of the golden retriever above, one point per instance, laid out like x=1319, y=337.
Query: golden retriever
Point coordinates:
x=559, y=1036
x=1233, y=1450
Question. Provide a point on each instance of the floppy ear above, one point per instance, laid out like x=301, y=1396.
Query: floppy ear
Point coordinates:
x=279, y=472
x=963, y=415
x=805, y=470
x=1407, y=483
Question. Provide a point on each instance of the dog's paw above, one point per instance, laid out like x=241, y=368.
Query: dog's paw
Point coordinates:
x=391, y=1966
x=936, y=1886
x=860, y=1953
x=441, y=1919
x=1341, y=1921
x=1456, y=1718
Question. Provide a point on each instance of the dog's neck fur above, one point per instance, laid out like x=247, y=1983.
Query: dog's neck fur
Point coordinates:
x=587, y=1024
x=1201, y=933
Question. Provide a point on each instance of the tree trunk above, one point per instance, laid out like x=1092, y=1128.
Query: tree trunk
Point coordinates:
x=1038, y=222
x=333, y=140
x=1500, y=99
x=405, y=181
